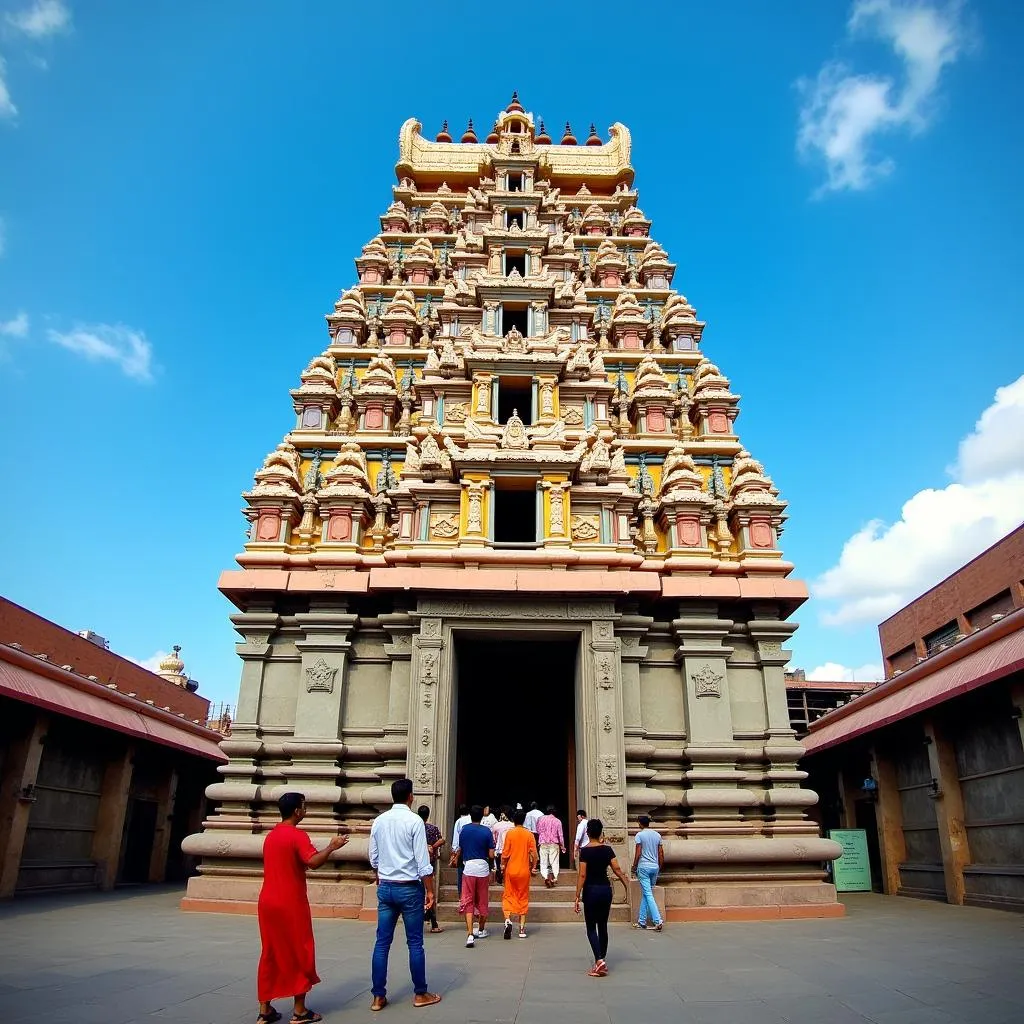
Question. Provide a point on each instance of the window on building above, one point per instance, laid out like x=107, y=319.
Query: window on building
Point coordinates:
x=941, y=638
x=1001, y=604
x=515, y=512
x=515, y=182
x=515, y=394
x=514, y=316
x=902, y=660
x=515, y=261
x=517, y=217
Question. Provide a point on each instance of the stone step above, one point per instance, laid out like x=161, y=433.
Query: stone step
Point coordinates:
x=538, y=894
x=546, y=913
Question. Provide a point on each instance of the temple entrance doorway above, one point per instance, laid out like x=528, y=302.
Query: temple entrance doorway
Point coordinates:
x=516, y=712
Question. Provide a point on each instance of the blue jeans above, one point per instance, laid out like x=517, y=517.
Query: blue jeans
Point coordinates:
x=647, y=878
x=394, y=901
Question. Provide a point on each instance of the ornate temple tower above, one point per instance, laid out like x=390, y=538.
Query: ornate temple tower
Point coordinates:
x=514, y=510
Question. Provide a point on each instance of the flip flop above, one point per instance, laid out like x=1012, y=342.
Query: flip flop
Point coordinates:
x=436, y=931
x=268, y=1018
x=309, y=1017
x=434, y=998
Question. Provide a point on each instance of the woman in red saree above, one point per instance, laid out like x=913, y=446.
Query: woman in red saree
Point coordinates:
x=288, y=960
x=518, y=862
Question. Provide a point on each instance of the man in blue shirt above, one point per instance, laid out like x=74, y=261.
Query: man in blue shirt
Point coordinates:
x=476, y=850
x=648, y=860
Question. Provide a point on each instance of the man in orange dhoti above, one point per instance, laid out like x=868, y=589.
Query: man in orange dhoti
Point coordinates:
x=518, y=863
x=288, y=961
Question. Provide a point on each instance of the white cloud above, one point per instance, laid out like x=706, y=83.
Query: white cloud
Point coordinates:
x=883, y=566
x=16, y=327
x=844, y=112
x=8, y=111
x=833, y=672
x=152, y=662
x=115, y=343
x=41, y=19
x=994, y=448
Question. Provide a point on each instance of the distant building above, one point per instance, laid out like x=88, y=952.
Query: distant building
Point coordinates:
x=809, y=699
x=103, y=764
x=931, y=761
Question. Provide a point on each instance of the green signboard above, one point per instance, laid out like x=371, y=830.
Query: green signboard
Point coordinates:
x=852, y=871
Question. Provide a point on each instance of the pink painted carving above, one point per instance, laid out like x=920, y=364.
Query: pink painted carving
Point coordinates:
x=340, y=528
x=629, y=339
x=760, y=534
x=374, y=417
x=656, y=420
x=688, y=532
x=397, y=336
x=718, y=422
x=269, y=527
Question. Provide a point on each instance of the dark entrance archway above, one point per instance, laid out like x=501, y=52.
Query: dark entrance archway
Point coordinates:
x=516, y=731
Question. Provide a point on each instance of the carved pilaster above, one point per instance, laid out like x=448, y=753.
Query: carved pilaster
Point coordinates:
x=429, y=705
x=602, y=696
x=713, y=774
x=316, y=748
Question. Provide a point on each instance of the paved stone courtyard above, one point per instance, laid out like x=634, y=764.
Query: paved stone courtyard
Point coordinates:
x=133, y=956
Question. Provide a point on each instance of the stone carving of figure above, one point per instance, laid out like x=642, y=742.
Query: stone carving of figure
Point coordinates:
x=557, y=511
x=514, y=435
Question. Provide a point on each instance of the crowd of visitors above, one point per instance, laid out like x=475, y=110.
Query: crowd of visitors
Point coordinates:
x=405, y=853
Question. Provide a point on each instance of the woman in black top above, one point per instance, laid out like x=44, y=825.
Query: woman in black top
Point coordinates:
x=593, y=884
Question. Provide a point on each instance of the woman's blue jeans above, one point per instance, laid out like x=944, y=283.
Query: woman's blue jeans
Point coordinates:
x=647, y=878
x=394, y=901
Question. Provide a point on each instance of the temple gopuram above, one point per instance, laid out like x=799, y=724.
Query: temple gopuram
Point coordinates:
x=514, y=549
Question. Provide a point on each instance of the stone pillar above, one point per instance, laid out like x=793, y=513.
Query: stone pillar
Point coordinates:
x=107, y=839
x=237, y=793
x=949, y=809
x=162, y=837
x=702, y=655
x=395, y=749
x=786, y=796
x=603, y=764
x=1017, y=699
x=848, y=794
x=316, y=748
x=431, y=719
x=891, y=843
x=21, y=768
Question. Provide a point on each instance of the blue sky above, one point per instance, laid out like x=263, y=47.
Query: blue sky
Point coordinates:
x=184, y=187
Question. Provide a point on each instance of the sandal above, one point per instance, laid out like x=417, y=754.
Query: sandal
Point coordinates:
x=594, y=972
x=436, y=931
x=269, y=1018
x=309, y=1017
x=659, y=926
x=637, y=924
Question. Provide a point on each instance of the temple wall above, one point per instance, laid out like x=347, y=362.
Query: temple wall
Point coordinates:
x=677, y=715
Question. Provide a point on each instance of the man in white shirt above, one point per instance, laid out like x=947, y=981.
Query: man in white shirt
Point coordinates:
x=405, y=888
x=582, y=839
x=455, y=860
x=533, y=815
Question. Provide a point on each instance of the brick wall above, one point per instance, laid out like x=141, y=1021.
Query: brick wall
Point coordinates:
x=999, y=568
x=37, y=635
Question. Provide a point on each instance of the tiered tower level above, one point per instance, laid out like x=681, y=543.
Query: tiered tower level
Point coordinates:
x=514, y=428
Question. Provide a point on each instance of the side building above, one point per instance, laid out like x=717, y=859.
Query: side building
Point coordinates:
x=103, y=764
x=931, y=762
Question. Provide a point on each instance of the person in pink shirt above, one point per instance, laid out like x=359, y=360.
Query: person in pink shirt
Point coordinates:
x=551, y=840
